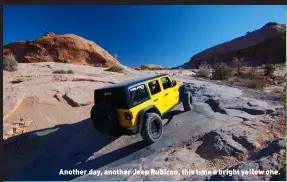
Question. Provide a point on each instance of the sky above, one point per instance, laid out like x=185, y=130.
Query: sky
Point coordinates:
x=162, y=34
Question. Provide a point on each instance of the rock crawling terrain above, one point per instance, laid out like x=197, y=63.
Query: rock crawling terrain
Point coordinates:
x=47, y=128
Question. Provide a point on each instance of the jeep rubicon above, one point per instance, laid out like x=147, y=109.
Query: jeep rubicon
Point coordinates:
x=138, y=106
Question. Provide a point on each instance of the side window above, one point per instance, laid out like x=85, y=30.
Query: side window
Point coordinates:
x=166, y=83
x=154, y=87
x=138, y=94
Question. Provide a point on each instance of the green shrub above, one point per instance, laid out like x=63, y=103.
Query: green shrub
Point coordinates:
x=10, y=63
x=117, y=69
x=66, y=61
x=222, y=72
x=269, y=69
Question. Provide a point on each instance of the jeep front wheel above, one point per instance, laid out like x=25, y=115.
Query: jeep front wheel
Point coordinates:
x=187, y=101
x=151, y=128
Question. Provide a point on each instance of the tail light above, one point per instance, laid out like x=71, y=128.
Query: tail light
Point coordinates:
x=128, y=115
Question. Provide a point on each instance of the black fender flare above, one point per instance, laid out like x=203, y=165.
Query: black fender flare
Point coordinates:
x=141, y=115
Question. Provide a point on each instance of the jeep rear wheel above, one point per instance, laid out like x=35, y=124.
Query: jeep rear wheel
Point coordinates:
x=152, y=128
x=187, y=101
x=105, y=119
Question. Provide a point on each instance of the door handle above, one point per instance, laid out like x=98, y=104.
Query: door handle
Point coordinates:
x=155, y=100
x=165, y=94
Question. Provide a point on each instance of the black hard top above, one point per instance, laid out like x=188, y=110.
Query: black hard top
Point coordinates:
x=133, y=82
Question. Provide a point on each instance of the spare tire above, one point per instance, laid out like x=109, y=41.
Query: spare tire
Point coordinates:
x=104, y=118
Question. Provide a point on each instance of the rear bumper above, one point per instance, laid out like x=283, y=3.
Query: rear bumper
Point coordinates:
x=129, y=131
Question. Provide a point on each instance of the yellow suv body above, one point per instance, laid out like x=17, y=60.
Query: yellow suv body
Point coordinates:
x=132, y=107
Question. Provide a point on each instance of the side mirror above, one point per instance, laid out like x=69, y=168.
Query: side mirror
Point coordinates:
x=173, y=83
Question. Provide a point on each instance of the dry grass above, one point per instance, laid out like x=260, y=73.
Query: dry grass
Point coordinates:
x=117, y=69
x=279, y=79
x=203, y=72
x=63, y=72
x=10, y=63
x=271, y=132
x=18, y=80
x=70, y=72
x=258, y=82
x=274, y=130
x=150, y=67
x=249, y=73
x=250, y=77
x=222, y=163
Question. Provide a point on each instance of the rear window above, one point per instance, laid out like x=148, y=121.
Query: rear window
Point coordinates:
x=115, y=97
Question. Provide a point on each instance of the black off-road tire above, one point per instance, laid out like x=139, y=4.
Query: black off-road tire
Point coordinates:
x=148, y=133
x=105, y=119
x=187, y=101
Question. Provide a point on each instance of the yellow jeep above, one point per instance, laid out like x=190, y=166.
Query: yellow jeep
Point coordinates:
x=138, y=106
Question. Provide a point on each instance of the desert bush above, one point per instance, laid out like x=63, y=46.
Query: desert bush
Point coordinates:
x=268, y=69
x=66, y=61
x=63, y=72
x=249, y=73
x=10, y=63
x=150, y=67
x=257, y=83
x=70, y=72
x=117, y=69
x=60, y=72
x=203, y=72
x=238, y=64
x=144, y=67
x=222, y=71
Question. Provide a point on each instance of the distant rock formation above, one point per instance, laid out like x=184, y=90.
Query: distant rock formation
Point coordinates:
x=67, y=48
x=267, y=44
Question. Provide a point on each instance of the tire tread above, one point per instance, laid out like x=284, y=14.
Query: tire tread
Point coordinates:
x=145, y=132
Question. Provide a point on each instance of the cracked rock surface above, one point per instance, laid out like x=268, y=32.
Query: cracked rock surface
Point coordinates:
x=229, y=127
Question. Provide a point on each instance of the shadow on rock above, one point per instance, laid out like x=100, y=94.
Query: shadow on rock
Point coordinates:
x=170, y=115
x=41, y=154
x=273, y=147
x=216, y=144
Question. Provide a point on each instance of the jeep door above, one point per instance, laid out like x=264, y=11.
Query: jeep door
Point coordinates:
x=157, y=97
x=169, y=92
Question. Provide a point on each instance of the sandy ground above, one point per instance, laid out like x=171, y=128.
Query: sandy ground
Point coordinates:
x=40, y=96
x=46, y=121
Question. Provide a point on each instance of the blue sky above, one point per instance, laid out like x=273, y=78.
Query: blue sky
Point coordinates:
x=166, y=35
